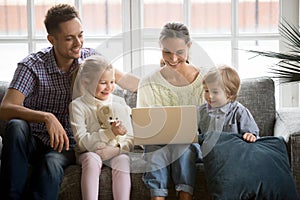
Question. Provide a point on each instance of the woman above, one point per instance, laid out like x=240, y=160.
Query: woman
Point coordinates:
x=176, y=83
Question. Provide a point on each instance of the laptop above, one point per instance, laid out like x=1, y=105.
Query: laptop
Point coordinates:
x=165, y=125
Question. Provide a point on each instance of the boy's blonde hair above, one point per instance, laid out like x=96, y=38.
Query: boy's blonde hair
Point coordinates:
x=90, y=70
x=227, y=77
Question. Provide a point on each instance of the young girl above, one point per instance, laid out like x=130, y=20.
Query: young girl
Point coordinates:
x=94, y=145
x=221, y=112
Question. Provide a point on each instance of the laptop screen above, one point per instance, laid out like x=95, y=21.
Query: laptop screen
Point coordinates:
x=165, y=125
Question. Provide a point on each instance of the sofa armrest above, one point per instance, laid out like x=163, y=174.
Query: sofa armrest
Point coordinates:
x=287, y=123
x=294, y=153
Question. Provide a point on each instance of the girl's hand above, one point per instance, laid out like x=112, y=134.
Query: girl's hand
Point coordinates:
x=249, y=137
x=118, y=128
x=107, y=152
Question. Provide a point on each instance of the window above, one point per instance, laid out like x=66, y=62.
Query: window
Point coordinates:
x=223, y=28
x=127, y=31
x=22, y=29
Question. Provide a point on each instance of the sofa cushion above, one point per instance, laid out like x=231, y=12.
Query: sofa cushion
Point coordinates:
x=258, y=95
x=236, y=169
x=70, y=187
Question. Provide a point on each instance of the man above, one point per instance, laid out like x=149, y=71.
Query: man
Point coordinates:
x=39, y=94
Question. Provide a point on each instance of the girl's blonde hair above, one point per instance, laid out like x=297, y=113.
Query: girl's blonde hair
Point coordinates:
x=89, y=71
x=227, y=77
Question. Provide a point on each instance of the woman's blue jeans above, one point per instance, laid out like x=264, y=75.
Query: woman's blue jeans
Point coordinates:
x=173, y=160
x=21, y=150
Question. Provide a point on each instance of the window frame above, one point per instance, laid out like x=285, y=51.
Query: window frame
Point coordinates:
x=132, y=14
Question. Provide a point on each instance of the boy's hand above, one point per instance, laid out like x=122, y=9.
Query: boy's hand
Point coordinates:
x=249, y=137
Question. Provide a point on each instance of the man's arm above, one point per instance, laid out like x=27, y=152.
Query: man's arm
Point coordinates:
x=12, y=107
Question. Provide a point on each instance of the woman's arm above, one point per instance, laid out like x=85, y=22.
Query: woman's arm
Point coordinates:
x=127, y=81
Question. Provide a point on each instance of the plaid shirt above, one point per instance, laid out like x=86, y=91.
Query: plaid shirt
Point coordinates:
x=47, y=88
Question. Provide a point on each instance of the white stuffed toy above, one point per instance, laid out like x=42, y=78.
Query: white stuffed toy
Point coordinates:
x=106, y=114
x=109, y=113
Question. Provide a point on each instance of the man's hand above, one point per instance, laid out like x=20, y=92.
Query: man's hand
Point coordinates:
x=107, y=152
x=249, y=137
x=58, y=135
x=118, y=128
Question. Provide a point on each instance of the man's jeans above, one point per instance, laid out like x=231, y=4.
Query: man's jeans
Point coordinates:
x=21, y=149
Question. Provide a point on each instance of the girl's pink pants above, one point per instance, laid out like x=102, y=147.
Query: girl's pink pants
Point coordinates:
x=91, y=169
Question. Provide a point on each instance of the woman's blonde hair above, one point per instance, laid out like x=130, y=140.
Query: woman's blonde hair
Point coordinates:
x=175, y=30
x=227, y=77
x=90, y=70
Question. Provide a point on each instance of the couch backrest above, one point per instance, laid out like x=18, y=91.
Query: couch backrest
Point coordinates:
x=258, y=95
x=3, y=88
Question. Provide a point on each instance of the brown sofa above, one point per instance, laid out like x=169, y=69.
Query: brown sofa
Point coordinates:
x=256, y=93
